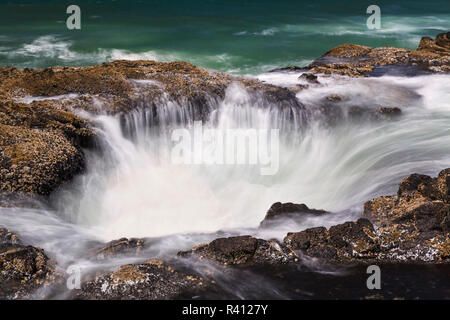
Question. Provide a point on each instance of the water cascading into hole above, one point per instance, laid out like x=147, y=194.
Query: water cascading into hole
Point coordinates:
x=135, y=190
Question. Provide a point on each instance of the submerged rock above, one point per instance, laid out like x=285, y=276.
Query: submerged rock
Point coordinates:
x=23, y=269
x=243, y=251
x=309, y=77
x=344, y=242
x=119, y=247
x=288, y=210
x=373, y=114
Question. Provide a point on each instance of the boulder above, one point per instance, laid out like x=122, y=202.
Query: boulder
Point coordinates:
x=288, y=210
x=120, y=247
x=412, y=226
x=150, y=280
x=347, y=242
x=242, y=251
x=309, y=77
x=24, y=269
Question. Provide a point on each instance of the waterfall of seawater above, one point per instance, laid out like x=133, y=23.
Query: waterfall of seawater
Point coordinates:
x=133, y=189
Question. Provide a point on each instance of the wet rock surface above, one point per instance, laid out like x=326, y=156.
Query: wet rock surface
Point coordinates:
x=120, y=247
x=412, y=226
x=150, y=280
x=242, y=250
x=40, y=147
x=24, y=269
x=409, y=229
x=431, y=56
x=42, y=135
x=280, y=211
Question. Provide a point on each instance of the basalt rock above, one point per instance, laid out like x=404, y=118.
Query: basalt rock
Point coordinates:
x=373, y=114
x=412, y=226
x=150, y=280
x=333, y=113
x=40, y=147
x=309, y=77
x=242, y=251
x=290, y=211
x=121, y=84
x=350, y=241
x=431, y=56
x=24, y=269
x=123, y=246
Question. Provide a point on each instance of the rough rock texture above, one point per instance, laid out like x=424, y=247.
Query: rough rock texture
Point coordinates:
x=309, y=77
x=431, y=56
x=23, y=269
x=122, y=83
x=41, y=137
x=120, y=247
x=153, y=279
x=413, y=226
x=288, y=210
x=242, y=250
x=344, y=242
x=40, y=147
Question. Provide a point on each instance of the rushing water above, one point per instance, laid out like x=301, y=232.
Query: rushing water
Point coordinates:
x=131, y=187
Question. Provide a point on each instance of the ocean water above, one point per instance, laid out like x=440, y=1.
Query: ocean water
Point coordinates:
x=242, y=37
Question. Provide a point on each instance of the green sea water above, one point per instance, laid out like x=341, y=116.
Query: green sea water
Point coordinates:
x=242, y=37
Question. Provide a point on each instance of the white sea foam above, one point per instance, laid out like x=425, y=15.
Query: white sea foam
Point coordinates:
x=132, y=189
x=136, y=191
x=31, y=99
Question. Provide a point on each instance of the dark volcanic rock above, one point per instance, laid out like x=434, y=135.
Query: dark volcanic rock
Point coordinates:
x=150, y=280
x=344, y=242
x=373, y=114
x=309, y=77
x=288, y=210
x=389, y=112
x=40, y=147
x=242, y=250
x=431, y=56
x=334, y=98
x=23, y=269
x=119, y=247
x=413, y=226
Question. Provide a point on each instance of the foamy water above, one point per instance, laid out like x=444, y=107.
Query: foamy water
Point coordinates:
x=132, y=188
x=135, y=190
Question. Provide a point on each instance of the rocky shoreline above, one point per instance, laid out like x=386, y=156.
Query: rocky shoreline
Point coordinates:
x=412, y=227
x=42, y=143
x=431, y=56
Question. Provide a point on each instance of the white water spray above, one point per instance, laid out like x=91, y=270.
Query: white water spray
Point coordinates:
x=134, y=190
